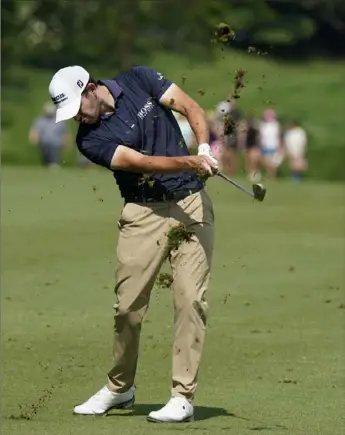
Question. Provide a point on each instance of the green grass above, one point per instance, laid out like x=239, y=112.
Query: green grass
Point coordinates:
x=313, y=91
x=274, y=354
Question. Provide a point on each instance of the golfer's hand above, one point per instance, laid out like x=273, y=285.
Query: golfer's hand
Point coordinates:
x=204, y=165
x=205, y=150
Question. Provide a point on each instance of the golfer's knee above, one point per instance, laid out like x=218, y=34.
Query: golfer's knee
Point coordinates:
x=128, y=321
x=192, y=303
x=130, y=315
x=200, y=308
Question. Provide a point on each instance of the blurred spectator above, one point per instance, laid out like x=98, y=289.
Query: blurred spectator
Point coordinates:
x=270, y=142
x=84, y=162
x=252, y=149
x=186, y=130
x=234, y=138
x=216, y=125
x=50, y=137
x=225, y=127
x=295, y=143
x=215, y=143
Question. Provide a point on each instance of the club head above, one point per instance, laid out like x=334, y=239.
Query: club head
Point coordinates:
x=259, y=192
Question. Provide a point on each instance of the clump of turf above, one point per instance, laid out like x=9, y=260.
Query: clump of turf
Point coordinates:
x=178, y=235
x=229, y=124
x=223, y=34
x=239, y=82
x=146, y=179
x=164, y=280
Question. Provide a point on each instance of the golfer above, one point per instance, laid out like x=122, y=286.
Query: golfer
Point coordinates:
x=127, y=126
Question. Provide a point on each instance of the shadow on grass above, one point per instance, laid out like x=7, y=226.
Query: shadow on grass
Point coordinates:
x=201, y=413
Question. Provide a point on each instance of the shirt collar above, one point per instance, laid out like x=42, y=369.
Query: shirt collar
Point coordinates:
x=113, y=87
x=115, y=90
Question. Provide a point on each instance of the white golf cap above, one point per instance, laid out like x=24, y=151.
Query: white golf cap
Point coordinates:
x=224, y=107
x=65, y=90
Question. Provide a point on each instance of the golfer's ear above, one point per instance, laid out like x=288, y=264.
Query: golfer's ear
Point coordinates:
x=176, y=99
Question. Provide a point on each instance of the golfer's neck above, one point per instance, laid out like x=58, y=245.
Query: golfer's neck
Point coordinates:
x=107, y=100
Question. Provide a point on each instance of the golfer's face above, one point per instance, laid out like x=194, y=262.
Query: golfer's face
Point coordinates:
x=89, y=111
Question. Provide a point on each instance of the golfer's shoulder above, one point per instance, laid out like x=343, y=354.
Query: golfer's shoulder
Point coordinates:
x=137, y=74
x=126, y=76
x=136, y=70
x=94, y=134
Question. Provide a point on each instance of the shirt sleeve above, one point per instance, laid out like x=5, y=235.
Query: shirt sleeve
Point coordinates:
x=152, y=81
x=100, y=150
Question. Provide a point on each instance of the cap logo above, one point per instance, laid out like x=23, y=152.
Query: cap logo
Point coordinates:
x=80, y=83
x=59, y=98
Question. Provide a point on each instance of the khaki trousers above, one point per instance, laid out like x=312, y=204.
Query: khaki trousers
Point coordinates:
x=142, y=249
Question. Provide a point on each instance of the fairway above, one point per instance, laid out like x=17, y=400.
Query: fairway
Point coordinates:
x=274, y=354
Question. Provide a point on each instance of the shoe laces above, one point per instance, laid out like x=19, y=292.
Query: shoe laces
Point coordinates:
x=99, y=393
x=176, y=403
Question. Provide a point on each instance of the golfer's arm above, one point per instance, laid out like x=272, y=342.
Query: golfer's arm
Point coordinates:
x=176, y=99
x=127, y=159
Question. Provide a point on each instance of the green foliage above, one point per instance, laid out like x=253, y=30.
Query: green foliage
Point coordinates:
x=40, y=36
x=313, y=92
x=48, y=34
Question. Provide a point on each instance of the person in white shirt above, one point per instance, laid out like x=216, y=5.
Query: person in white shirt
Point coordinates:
x=295, y=143
x=270, y=142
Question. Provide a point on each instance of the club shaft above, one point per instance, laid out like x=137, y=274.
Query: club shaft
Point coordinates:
x=248, y=192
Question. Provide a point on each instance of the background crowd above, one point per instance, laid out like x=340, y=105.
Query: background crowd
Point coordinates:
x=262, y=143
x=240, y=142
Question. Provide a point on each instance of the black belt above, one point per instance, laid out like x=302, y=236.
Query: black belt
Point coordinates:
x=178, y=195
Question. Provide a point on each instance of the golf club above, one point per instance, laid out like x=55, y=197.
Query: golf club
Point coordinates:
x=258, y=193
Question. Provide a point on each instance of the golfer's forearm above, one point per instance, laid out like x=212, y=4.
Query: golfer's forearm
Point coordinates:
x=198, y=122
x=164, y=165
x=127, y=159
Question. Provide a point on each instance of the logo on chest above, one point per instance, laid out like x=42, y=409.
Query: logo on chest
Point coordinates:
x=146, y=109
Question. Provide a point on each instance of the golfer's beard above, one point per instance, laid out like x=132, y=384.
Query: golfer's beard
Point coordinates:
x=91, y=119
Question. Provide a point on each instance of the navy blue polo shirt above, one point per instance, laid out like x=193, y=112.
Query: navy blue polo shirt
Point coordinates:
x=141, y=123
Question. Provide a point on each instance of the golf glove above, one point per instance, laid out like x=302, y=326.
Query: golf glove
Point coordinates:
x=204, y=149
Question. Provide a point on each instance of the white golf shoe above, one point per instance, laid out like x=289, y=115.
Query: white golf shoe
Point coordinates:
x=105, y=400
x=177, y=410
